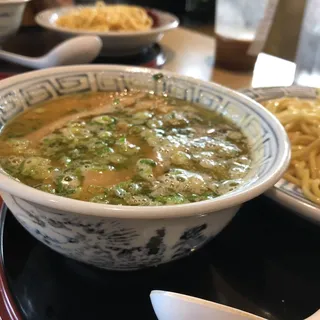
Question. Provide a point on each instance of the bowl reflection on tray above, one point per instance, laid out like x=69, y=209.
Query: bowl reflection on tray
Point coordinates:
x=123, y=237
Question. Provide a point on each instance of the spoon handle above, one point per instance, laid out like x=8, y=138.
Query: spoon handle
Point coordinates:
x=19, y=59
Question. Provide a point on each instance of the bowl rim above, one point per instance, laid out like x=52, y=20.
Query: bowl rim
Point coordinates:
x=235, y=198
x=45, y=23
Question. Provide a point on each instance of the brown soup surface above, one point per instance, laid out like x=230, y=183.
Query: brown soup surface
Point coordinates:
x=127, y=148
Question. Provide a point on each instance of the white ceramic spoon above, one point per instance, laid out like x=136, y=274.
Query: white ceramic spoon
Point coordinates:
x=174, y=306
x=78, y=50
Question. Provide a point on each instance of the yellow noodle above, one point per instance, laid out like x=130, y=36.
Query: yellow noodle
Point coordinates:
x=293, y=163
x=317, y=165
x=103, y=17
x=313, y=164
x=296, y=148
x=299, y=171
x=301, y=119
x=303, y=153
x=318, y=161
x=291, y=126
x=306, y=187
x=315, y=187
x=301, y=139
x=292, y=179
x=305, y=129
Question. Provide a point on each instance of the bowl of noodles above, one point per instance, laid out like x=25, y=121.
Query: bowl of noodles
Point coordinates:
x=124, y=29
x=298, y=109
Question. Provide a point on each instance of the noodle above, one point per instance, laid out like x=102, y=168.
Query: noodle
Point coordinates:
x=301, y=119
x=107, y=18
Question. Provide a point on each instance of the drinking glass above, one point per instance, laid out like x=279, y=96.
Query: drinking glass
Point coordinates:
x=236, y=22
x=308, y=53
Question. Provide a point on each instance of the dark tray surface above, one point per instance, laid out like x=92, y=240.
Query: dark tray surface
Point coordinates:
x=266, y=261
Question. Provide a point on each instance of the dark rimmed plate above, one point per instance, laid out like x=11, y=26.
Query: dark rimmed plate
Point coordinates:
x=265, y=262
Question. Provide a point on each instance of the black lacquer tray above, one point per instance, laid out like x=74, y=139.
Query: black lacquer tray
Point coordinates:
x=267, y=262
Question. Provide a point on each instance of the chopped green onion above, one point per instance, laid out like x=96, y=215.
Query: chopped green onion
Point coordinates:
x=157, y=76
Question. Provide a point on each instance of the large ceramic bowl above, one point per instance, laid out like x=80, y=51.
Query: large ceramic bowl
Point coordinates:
x=127, y=237
x=11, y=12
x=114, y=43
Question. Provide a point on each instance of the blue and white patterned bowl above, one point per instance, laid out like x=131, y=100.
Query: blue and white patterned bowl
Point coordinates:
x=124, y=237
x=284, y=192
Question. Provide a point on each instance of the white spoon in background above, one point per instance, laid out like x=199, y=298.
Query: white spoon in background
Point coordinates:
x=78, y=50
x=174, y=306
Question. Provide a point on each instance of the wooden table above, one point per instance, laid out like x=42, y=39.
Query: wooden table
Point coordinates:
x=188, y=52
x=192, y=53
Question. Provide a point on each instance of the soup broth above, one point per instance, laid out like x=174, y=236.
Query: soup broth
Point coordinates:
x=129, y=148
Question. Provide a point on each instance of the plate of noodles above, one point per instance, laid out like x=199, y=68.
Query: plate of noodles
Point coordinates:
x=124, y=29
x=298, y=109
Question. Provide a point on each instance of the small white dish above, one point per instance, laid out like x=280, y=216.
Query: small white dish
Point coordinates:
x=175, y=306
x=284, y=192
x=114, y=43
x=11, y=12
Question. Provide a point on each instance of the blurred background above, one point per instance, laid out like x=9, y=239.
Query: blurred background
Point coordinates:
x=185, y=9
x=196, y=13
x=242, y=29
